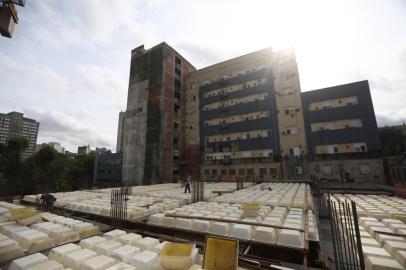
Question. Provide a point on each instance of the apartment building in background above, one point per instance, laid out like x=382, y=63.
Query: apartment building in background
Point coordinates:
x=235, y=122
x=55, y=145
x=14, y=124
x=342, y=133
x=243, y=118
x=153, y=119
x=83, y=150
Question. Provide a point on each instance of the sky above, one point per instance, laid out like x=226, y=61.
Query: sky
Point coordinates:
x=67, y=65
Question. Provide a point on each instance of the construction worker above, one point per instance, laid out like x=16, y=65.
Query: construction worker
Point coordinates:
x=188, y=183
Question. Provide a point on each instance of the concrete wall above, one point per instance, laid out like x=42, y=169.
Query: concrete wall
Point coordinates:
x=135, y=133
x=375, y=175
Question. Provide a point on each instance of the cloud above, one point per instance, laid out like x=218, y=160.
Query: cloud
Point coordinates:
x=102, y=78
x=198, y=55
x=391, y=117
x=68, y=129
x=43, y=77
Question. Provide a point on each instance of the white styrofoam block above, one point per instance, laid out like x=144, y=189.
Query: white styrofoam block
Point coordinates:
x=124, y=253
x=375, y=252
x=47, y=265
x=220, y=228
x=90, y=242
x=200, y=225
x=156, y=218
x=144, y=260
x=121, y=266
x=146, y=243
x=264, y=234
x=129, y=239
x=27, y=261
x=291, y=238
x=184, y=223
x=76, y=258
x=100, y=262
x=157, y=248
x=401, y=257
x=369, y=242
x=111, y=235
x=105, y=248
x=241, y=231
x=58, y=253
x=169, y=221
x=379, y=263
x=393, y=246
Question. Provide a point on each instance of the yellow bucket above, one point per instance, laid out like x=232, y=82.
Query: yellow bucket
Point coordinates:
x=250, y=206
x=220, y=254
x=176, y=256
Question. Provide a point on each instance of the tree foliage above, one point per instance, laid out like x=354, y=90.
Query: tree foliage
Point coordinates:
x=45, y=171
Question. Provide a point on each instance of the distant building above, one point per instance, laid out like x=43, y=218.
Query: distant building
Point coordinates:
x=393, y=140
x=108, y=168
x=101, y=150
x=342, y=134
x=55, y=145
x=14, y=124
x=152, y=142
x=120, y=132
x=83, y=150
x=70, y=154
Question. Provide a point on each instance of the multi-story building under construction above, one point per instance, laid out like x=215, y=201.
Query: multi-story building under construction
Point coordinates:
x=241, y=118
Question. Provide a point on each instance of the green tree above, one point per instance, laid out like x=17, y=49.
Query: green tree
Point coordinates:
x=11, y=162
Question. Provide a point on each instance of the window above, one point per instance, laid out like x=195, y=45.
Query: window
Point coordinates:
x=177, y=71
x=291, y=130
x=330, y=125
x=364, y=169
x=206, y=172
x=250, y=171
x=241, y=171
x=294, y=151
x=214, y=172
x=327, y=170
x=286, y=91
x=359, y=147
x=223, y=172
x=231, y=172
x=299, y=170
x=355, y=123
x=273, y=171
x=246, y=154
x=331, y=149
x=178, y=62
x=262, y=171
x=289, y=110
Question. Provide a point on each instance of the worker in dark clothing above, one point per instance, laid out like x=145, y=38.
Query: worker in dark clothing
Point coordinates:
x=49, y=202
x=188, y=183
x=43, y=202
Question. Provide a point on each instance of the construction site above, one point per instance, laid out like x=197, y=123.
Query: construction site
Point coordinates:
x=276, y=225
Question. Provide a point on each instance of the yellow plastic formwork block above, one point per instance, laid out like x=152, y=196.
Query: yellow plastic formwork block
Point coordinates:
x=220, y=254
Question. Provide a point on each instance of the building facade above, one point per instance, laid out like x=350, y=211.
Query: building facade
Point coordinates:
x=243, y=117
x=342, y=133
x=153, y=122
x=14, y=124
x=120, y=132
x=108, y=169
x=83, y=150
x=55, y=145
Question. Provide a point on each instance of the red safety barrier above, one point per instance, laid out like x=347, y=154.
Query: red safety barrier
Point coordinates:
x=400, y=190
